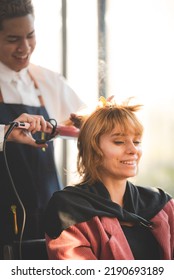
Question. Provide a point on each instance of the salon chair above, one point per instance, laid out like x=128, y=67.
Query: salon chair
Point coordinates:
x=30, y=249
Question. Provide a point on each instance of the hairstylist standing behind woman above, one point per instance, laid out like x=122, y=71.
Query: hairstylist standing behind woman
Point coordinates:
x=26, y=88
x=105, y=216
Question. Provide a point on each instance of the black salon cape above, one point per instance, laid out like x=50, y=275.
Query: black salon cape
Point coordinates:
x=78, y=204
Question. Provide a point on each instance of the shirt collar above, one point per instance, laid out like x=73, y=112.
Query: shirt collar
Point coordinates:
x=8, y=75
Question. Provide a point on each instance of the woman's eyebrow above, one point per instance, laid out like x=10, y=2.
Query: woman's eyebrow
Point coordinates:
x=118, y=134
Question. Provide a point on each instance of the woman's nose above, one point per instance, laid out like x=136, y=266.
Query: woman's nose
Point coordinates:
x=131, y=148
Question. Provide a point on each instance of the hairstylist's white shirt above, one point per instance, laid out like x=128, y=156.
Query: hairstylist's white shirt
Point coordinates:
x=18, y=88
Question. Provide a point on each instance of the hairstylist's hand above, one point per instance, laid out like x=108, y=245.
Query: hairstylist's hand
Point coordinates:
x=36, y=122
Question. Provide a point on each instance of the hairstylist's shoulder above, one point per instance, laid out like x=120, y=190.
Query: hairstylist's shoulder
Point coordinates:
x=41, y=72
x=59, y=90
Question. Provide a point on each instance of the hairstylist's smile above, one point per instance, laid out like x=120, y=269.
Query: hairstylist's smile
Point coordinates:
x=22, y=57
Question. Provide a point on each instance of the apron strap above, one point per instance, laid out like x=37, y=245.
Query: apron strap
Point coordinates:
x=1, y=97
x=36, y=87
x=41, y=100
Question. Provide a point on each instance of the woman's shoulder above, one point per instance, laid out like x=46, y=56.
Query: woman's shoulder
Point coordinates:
x=169, y=207
x=151, y=191
x=148, y=200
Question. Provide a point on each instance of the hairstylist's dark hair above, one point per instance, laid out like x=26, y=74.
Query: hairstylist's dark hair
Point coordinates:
x=14, y=8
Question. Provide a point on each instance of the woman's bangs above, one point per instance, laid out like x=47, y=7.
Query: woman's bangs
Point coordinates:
x=123, y=121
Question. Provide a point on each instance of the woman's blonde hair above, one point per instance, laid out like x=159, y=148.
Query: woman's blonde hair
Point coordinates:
x=102, y=120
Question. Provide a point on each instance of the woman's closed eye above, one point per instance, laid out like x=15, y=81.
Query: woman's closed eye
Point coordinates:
x=137, y=142
x=119, y=142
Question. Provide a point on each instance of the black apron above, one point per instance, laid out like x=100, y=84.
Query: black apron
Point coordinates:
x=34, y=174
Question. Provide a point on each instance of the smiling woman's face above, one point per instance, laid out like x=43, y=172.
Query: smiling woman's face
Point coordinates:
x=17, y=42
x=121, y=154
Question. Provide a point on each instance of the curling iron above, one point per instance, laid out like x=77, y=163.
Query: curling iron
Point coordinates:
x=62, y=131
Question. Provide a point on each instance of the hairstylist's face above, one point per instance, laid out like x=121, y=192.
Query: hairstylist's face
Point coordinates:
x=17, y=42
x=121, y=154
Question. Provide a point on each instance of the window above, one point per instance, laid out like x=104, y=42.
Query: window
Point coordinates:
x=138, y=61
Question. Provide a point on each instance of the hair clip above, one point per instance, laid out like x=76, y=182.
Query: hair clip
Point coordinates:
x=103, y=102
